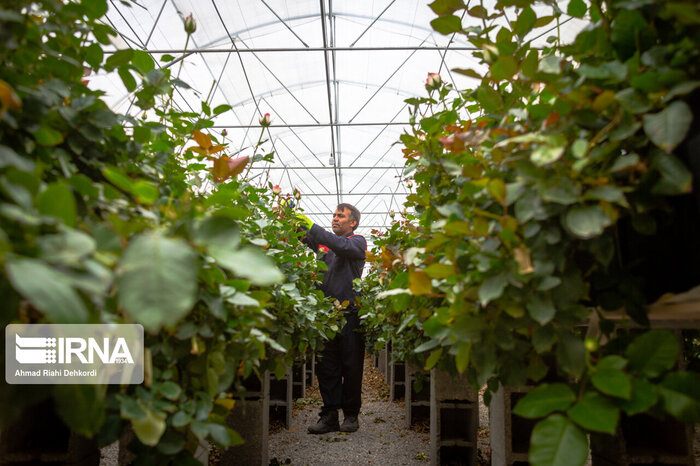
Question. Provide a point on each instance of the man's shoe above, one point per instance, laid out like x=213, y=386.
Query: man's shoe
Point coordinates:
x=350, y=424
x=327, y=423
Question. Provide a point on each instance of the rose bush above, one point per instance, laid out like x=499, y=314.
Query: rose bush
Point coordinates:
x=112, y=218
x=533, y=193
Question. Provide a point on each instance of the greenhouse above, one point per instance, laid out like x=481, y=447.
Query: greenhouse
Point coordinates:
x=398, y=232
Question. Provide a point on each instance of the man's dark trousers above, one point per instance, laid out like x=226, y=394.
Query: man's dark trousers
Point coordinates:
x=339, y=368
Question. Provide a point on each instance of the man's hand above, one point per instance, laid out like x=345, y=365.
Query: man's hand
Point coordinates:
x=304, y=220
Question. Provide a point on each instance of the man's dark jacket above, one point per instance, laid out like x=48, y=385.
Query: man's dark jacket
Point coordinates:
x=345, y=258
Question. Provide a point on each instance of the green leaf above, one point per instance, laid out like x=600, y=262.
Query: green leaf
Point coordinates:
x=556, y=441
x=221, y=109
x=82, y=407
x=447, y=24
x=543, y=338
x=47, y=136
x=219, y=434
x=630, y=31
x=577, y=8
x=680, y=394
x=48, y=290
x=248, y=262
x=492, y=288
x=504, y=68
x=613, y=382
x=221, y=232
x=643, y=396
x=181, y=419
x=653, y=353
x=437, y=270
x=490, y=99
x=94, y=9
x=127, y=78
x=545, y=399
x=129, y=408
x=668, y=128
x=433, y=359
x=529, y=65
x=94, y=55
x=428, y=345
x=546, y=154
x=612, y=362
x=57, y=201
x=145, y=192
x=445, y=7
x=633, y=101
x=675, y=176
x=595, y=412
x=117, y=178
x=607, y=193
x=150, y=428
x=525, y=22
x=586, y=221
x=171, y=443
x=551, y=64
x=157, y=278
x=571, y=354
x=67, y=247
x=143, y=61
x=541, y=308
x=462, y=357
x=170, y=390
x=119, y=58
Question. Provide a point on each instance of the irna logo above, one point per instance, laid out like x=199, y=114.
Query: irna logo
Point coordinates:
x=74, y=354
x=50, y=350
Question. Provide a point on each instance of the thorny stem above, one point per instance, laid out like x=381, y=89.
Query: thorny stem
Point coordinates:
x=257, y=145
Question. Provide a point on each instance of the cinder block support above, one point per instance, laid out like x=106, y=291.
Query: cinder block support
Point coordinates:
x=383, y=360
x=642, y=439
x=39, y=436
x=509, y=434
x=250, y=417
x=310, y=370
x=281, y=397
x=454, y=420
x=397, y=381
x=387, y=364
x=417, y=403
x=299, y=380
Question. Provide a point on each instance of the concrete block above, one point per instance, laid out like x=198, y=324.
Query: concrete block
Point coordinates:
x=642, y=439
x=280, y=393
x=397, y=380
x=454, y=420
x=310, y=369
x=509, y=434
x=299, y=380
x=39, y=436
x=250, y=417
x=417, y=402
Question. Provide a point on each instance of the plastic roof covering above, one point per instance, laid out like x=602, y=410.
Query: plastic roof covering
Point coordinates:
x=267, y=56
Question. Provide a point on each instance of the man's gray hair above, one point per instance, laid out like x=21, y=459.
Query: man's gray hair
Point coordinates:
x=354, y=213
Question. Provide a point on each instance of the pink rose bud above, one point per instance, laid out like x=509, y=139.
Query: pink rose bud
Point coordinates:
x=190, y=24
x=433, y=81
x=392, y=214
x=276, y=189
x=224, y=133
x=265, y=120
x=297, y=194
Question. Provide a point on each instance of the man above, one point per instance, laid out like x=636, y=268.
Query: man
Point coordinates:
x=339, y=368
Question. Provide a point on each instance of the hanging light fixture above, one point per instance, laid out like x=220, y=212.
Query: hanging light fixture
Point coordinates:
x=331, y=161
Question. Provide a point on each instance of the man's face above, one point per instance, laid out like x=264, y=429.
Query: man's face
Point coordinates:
x=341, y=222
